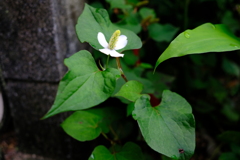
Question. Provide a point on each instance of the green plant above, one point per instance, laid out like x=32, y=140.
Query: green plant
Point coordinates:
x=165, y=119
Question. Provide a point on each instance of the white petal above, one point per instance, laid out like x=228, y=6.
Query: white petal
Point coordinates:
x=102, y=40
x=121, y=43
x=113, y=53
x=105, y=51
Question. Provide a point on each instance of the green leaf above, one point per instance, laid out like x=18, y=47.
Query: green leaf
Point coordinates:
x=168, y=128
x=88, y=124
x=130, y=58
x=230, y=137
x=229, y=20
x=121, y=4
x=97, y=5
x=235, y=148
x=207, y=59
x=161, y=33
x=131, y=90
x=217, y=89
x=130, y=151
x=130, y=108
x=205, y=38
x=136, y=28
x=93, y=20
x=147, y=12
x=165, y=158
x=148, y=85
x=146, y=65
x=84, y=85
x=231, y=67
x=160, y=81
x=230, y=112
x=132, y=75
x=131, y=22
x=228, y=156
x=134, y=2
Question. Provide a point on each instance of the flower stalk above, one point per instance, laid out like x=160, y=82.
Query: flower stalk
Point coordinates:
x=120, y=69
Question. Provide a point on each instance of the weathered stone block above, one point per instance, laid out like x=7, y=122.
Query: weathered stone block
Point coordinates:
x=31, y=51
x=41, y=137
x=35, y=37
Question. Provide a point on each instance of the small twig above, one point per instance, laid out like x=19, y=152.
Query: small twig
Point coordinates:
x=105, y=136
x=114, y=133
x=102, y=68
x=216, y=152
x=120, y=69
x=146, y=40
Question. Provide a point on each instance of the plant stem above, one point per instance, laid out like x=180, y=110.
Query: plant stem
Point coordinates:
x=216, y=152
x=120, y=69
x=114, y=133
x=105, y=136
x=107, y=61
x=102, y=68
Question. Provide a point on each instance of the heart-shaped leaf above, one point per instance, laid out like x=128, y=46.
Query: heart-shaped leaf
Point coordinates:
x=84, y=86
x=205, y=38
x=130, y=151
x=93, y=20
x=88, y=124
x=131, y=90
x=168, y=128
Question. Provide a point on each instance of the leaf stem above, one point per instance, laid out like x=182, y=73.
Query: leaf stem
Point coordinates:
x=105, y=136
x=120, y=69
x=102, y=68
x=107, y=61
x=114, y=133
x=216, y=152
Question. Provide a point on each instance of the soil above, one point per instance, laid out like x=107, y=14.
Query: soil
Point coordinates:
x=9, y=149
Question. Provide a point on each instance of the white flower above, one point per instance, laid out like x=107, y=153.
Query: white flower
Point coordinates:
x=116, y=42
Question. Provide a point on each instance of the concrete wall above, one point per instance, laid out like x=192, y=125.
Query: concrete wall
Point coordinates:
x=35, y=37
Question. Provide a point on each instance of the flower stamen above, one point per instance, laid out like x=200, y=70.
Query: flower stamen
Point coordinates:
x=114, y=39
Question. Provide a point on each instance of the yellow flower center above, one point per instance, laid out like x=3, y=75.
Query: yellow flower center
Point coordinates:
x=114, y=39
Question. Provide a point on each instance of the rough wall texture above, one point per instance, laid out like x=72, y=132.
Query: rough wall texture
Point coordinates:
x=38, y=35
x=33, y=52
x=35, y=37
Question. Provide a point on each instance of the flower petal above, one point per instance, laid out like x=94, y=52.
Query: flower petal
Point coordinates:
x=105, y=51
x=114, y=53
x=102, y=40
x=121, y=43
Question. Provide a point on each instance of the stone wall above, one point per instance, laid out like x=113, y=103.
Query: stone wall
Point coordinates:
x=35, y=37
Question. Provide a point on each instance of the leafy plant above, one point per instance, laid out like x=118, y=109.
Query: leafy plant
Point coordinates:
x=165, y=120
